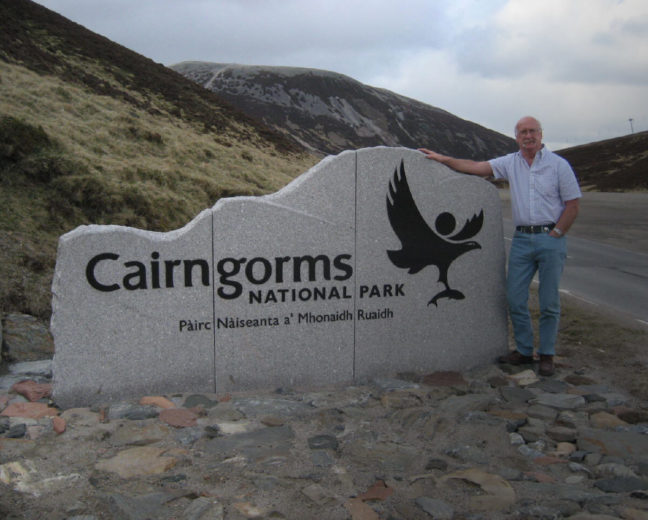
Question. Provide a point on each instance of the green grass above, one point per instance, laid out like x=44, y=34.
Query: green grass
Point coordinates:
x=69, y=156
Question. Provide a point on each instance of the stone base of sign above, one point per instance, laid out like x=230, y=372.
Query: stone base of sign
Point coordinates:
x=373, y=262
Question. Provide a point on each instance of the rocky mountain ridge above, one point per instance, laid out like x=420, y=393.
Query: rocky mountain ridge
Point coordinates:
x=329, y=112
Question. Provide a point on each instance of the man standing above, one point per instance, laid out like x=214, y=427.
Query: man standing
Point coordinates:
x=544, y=200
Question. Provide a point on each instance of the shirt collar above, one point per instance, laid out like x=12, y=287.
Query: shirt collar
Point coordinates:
x=539, y=154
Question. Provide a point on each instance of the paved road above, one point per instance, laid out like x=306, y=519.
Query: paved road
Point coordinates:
x=604, y=275
x=607, y=256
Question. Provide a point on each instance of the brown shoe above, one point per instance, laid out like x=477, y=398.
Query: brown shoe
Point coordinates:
x=515, y=358
x=546, y=365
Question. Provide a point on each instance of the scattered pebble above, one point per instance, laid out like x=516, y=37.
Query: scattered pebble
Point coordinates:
x=449, y=445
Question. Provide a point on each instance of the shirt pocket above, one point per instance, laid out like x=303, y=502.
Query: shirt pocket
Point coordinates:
x=547, y=184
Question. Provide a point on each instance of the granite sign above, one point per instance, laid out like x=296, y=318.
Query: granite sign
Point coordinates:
x=373, y=262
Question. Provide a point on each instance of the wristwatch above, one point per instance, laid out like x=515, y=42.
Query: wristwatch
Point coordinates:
x=559, y=231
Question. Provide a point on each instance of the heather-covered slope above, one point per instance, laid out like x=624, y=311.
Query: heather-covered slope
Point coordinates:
x=619, y=164
x=91, y=132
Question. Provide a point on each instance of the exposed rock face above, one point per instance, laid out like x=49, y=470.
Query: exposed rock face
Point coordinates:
x=329, y=112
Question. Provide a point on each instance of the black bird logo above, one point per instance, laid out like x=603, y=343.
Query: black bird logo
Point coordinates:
x=421, y=245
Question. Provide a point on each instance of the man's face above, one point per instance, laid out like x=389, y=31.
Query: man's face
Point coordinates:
x=529, y=135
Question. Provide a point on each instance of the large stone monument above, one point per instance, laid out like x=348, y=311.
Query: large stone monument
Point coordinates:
x=373, y=262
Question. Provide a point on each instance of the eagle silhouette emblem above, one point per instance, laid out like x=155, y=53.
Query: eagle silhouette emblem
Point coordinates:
x=422, y=245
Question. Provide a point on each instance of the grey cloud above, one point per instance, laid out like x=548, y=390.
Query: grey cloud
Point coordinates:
x=257, y=30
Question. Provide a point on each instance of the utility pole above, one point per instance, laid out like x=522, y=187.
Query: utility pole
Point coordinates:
x=631, y=127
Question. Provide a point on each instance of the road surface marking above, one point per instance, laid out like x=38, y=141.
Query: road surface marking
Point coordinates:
x=569, y=293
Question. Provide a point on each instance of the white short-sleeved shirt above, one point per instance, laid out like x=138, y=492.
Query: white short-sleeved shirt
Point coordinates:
x=539, y=191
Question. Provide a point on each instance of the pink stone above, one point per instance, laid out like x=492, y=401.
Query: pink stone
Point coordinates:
x=157, y=400
x=378, y=491
x=29, y=410
x=178, y=417
x=32, y=390
x=538, y=476
x=58, y=424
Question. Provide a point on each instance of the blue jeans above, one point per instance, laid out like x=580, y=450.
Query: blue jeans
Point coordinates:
x=546, y=255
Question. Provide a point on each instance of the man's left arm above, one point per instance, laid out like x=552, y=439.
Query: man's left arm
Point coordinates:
x=566, y=219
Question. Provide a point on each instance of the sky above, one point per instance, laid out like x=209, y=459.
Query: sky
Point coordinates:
x=579, y=66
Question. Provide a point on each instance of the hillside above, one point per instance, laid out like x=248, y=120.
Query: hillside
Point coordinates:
x=91, y=132
x=619, y=164
x=329, y=112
